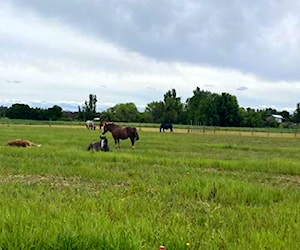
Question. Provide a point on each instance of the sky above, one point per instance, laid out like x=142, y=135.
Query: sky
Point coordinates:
x=55, y=52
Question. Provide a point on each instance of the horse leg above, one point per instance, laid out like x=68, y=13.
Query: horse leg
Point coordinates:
x=132, y=141
x=117, y=142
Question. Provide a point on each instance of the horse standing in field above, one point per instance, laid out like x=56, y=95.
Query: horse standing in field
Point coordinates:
x=164, y=126
x=90, y=125
x=101, y=145
x=122, y=133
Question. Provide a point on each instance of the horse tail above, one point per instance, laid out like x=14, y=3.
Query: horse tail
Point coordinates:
x=136, y=135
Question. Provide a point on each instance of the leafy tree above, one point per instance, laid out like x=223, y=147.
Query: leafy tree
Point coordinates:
x=19, y=111
x=172, y=107
x=252, y=118
x=88, y=110
x=154, y=111
x=38, y=114
x=228, y=110
x=286, y=115
x=202, y=109
x=126, y=112
x=54, y=113
x=3, y=111
x=296, y=115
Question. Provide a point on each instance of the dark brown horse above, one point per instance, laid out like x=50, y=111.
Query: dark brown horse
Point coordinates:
x=121, y=133
x=101, y=145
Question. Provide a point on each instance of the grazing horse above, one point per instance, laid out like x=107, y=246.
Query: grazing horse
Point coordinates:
x=22, y=143
x=90, y=125
x=121, y=133
x=164, y=126
x=101, y=145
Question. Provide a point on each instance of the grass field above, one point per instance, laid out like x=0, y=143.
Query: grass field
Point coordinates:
x=180, y=190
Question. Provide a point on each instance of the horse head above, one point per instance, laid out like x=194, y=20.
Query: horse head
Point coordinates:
x=104, y=143
x=106, y=127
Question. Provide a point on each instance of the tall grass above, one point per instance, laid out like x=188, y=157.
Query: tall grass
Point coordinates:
x=184, y=191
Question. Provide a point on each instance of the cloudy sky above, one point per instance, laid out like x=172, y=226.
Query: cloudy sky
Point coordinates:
x=59, y=52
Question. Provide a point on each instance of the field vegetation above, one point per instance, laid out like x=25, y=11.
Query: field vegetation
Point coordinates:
x=180, y=190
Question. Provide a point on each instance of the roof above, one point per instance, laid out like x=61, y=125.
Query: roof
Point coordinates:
x=277, y=116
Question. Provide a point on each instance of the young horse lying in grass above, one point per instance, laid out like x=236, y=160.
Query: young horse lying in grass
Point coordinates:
x=22, y=143
x=101, y=145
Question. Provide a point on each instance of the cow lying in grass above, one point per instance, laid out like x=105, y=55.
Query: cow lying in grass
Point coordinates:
x=22, y=143
x=101, y=145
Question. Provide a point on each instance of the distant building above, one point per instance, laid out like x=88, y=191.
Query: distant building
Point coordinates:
x=278, y=118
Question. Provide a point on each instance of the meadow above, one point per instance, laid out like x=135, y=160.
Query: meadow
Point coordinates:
x=180, y=190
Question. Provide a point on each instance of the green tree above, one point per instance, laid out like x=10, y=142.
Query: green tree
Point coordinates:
x=202, y=108
x=19, y=111
x=228, y=110
x=88, y=110
x=3, y=111
x=38, y=114
x=125, y=112
x=154, y=112
x=296, y=115
x=54, y=113
x=286, y=115
x=173, y=107
x=251, y=118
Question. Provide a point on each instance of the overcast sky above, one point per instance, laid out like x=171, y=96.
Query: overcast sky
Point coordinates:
x=59, y=52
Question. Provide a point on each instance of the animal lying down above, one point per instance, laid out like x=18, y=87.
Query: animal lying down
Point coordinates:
x=101, y=145
x=22, y=143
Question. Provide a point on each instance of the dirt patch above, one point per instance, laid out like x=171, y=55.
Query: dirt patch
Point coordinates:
x=33, y=179
x=288, y=179
x=266, y=178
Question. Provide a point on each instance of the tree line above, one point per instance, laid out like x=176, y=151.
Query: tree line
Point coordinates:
x=202, y=108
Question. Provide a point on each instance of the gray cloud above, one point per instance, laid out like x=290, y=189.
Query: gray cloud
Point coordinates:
x=260, y=37
x=241, y=88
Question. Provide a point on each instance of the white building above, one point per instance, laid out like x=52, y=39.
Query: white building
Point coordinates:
x=278, y=118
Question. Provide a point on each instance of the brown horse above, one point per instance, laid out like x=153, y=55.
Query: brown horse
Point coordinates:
x=121, y=133
x=22, y=143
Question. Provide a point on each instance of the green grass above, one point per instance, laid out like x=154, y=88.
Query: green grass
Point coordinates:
x=222, y=191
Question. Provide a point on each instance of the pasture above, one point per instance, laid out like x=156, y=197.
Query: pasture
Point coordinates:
x=180, y=190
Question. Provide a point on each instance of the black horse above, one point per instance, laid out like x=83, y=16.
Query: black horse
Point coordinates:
x=122, y=133
x=164, y=126
x=101, y=145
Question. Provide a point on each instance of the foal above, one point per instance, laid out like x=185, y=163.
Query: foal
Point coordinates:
x=22, y=143
x=101, y=145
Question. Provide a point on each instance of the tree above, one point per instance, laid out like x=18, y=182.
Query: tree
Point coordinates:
x=286, y=115
x=296, y=115
x=202, y=108
x=38, y=114
x=19, y=111
x=88, y=110
x=125, y=112
x=54, y=113
x=154, y=111
x=3, y=111
x=172, y=107
x=228, y=110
